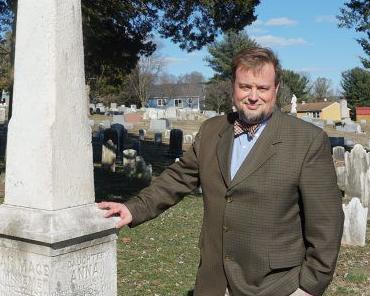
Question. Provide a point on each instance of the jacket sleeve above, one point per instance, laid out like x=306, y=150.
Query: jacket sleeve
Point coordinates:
x=168, y=189
x=322, y=216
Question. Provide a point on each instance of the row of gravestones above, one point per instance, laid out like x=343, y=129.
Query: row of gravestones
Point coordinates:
x=353, y=175
x=177, y=113
x=346, y=125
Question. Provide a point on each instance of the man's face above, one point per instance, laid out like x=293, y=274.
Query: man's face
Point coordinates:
x=254, y=93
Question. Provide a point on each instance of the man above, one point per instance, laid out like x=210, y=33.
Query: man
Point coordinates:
x=272, y=211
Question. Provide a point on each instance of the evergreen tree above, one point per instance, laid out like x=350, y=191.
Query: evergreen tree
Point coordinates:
x=356, y=14
x=356, y=87
x=222, y=53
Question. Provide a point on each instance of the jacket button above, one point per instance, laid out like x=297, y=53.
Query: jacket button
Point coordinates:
x=229, y=199
x=225, y=228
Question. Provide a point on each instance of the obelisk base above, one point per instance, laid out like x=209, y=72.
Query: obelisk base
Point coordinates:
x=33, y=262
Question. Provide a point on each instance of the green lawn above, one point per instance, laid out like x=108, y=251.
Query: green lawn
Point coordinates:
x=160, y=257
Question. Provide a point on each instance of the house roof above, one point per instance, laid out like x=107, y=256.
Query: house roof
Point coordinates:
x=309, y=107
x=174, y=90
x=362, y=110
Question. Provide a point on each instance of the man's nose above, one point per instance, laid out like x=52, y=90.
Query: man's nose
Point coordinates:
x=253, y=95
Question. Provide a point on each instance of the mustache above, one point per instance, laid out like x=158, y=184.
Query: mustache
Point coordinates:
x=246, y=101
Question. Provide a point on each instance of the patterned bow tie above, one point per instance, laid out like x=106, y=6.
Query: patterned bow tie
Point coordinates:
x=240, y=127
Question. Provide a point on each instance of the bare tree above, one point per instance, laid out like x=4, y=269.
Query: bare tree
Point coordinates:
x=144, y=75
x=218, y=95
x=321, y=89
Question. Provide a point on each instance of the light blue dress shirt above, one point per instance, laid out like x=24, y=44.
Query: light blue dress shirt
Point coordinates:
x=241, y=147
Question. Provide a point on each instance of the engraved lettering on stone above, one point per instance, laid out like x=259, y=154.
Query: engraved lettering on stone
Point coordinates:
x=22, y=276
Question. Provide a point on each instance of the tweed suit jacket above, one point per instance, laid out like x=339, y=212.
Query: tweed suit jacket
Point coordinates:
x=274, y=227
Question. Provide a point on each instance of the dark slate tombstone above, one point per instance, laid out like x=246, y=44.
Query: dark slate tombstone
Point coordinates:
x=141, y=134
x=97, y=143
x=110, y=134
x=136, y=145
x=158, y=138
x=175, y=147
x=3, y=140
x=336, y=141
x=121, y=136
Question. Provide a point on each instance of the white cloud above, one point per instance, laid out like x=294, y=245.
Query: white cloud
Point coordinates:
x=253, y=30
x=280, y=21
x=270, y=40
x=257, y=23
x=325, y=19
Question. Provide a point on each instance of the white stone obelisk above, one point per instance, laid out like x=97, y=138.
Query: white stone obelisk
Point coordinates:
x=53, y=239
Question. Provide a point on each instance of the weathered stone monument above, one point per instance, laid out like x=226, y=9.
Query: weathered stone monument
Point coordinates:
x=293, y=101
x=354, y=229
x=53, y=239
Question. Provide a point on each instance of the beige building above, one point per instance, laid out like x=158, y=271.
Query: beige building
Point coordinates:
x=319, y=110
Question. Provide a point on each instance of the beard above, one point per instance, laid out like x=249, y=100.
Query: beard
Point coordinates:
x=255, y=118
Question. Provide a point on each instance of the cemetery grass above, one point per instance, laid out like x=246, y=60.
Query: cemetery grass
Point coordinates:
x=160, y=257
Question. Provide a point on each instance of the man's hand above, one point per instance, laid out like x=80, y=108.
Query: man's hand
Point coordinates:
x=116, y=209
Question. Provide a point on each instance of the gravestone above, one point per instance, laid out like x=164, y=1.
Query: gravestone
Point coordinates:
x=2, y=115
x=129, y=159
x=161, y=114
x=132, y=118
x=341, y=177
x=53, y=239
x=354, y=230
x=136, y=145
x=133, y=107
x=356, y=163
x=293, y=101
x=97, y=145
x=121, y=138
x=142, y=133
x=350, y=128
x=349, y=143
x=113, y=107
x=188, y=139
x=119, y=118
x=109, y=156
x=210, y=113
x=171, y=113
x=175, y=146
x=158, y=138
x=167, y=133
x=104, y=124
x=330, y=122
x=365, y=188
x=338, y=153
x=344, y=110
x=158, y=125
x=336, y=141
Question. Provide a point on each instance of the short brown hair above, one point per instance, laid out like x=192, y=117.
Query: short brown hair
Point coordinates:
x=255, y=58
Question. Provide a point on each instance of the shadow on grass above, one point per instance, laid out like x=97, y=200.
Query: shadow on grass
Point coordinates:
x=120, y=187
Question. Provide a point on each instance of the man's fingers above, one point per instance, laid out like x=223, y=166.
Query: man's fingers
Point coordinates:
x=124, y=221
x=104, y=205
x=111, y=212
x=115, y=209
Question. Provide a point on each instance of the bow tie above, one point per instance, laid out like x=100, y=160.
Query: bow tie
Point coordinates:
x=240, y=127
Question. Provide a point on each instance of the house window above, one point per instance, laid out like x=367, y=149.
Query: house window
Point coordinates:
x=160, y=102
x=316, y=114
x=178, y=102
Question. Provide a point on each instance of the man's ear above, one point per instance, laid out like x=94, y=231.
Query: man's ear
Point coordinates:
x=277, y=88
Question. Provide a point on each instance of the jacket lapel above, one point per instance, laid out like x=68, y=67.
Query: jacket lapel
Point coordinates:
x=262, y=150
x=224, y=148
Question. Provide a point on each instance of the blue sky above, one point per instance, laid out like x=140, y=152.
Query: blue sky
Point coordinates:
x=304, y=34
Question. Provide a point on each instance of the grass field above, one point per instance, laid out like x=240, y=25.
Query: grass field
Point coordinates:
x=160, y=257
